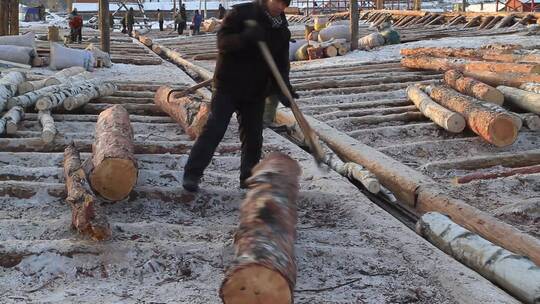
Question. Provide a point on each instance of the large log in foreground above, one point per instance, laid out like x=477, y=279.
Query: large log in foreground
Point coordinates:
x=473, y=87
x=264, y=268
x=496, y=128
x=445, y=64
x=113, y=171
x=86, y=217
x=190, y=112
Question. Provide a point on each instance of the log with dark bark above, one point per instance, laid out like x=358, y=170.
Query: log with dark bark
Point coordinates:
x=86, y=216
x=264, y=268
x=114, y=171
x=92, y=92
x=191, y=112
x=492, y=175
x=56, y=98
x=496, y=128
x=472, y=87
x=473, y=22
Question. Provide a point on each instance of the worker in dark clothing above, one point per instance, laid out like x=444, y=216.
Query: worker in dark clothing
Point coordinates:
x=242, y=80
x=221, y=12
x=75, y=26
x=196, y=23
x=130, y=21
x=183, y=17
x=160, y=19
x=181, y=23
x=124, y=25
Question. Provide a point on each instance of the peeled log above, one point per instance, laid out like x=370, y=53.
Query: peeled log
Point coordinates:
x=505, y=79
x=525, y=100
x=48, y=129
x=85, y=217
x=264, y=268
x=496, y=128
x=114, y=167
x=531, y=87
x=472, y=87
x=443, y=117
x=330, y=51
x=191, y=113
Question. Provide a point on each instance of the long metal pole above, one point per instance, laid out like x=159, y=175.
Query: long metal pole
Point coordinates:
x=354, y=15
x=104, y=25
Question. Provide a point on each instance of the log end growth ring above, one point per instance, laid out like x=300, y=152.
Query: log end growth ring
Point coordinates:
x=256, y=284
x=503, y=131
x=456, y=123
x=114, y=178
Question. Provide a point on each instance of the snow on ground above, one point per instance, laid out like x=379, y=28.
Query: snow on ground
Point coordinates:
x=391, y=52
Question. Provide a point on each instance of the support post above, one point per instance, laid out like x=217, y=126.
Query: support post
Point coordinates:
x=4, y=17
x=69, y=5
x=14, y=17
x=104, y=26
x=353, y=6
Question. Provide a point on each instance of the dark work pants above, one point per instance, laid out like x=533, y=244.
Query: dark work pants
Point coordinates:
x=249, y=113
x=161, y=26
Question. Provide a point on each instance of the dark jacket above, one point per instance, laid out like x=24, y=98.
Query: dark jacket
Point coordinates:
x=221, y=12
x=240, y=68
x=130, y=19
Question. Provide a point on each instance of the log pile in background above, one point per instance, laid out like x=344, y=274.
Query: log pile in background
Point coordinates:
x=113, y=168
x=472, y=87
x=264, y=267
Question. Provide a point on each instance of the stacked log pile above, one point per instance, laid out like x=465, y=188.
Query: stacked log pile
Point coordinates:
x=477, y=83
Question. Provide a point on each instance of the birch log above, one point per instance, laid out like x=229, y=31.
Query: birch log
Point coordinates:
x=264, y=268
x=8, y=87
x=29, y=86
x=531, y=87
x=525, y=100
x=496, y=128
x=12, y=118
x=451, y=121
x=532, y=121
x=64, y=75
x=86, y=217
x=79, y=100
x=472, y=87
x=48, y=131
x=114, y=167
x=56, y=98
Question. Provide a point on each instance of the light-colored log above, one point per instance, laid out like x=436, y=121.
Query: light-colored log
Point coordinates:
x=496, y=128
x=114, y=167
x=493, y=175
x=99, y=90
x=56, y=98
x=353, y=171
x=445, y=64
x=86, y=217
x=472, y=87
x=29, y=86
x=525, y=100
x=330, y=51
x=12, y=119
x=451, y=121
x=531, y=87
x=532, y=121
x=8, y=87
x=264, y=267
x=48, y=128
x=177, y=58
x=64, y=75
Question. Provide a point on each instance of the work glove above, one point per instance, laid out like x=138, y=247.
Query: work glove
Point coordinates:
x=253, y=33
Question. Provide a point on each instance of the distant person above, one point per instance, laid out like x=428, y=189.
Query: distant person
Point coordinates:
x=183, y=14
x=196, y=23
x=160, y=19
x=124, y=25
x=221, y=11
x=174, y=15
x=75, y=26
x=181, y=23
x=130, y=20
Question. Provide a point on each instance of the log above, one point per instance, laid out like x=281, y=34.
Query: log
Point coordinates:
x=264, y=267
x=492, y=175
x=496, y=128
x=86, y=217
x=177, y=58
x=506, y=21
x=330, y=51
x=451, y=121
x=532, y=121
x=342, y=51
x=462, y=65
x=79, y=100
x=114, y=167
x=352, y=170
x=8, y=87
x=492, y=23
x=438, y=19
x=472, y=87
x=146, y=40
x=64, y=75
x=188, y=111
x=525, y=100
x=502, y=67
x=440, y=52
x=29, y=86
x=505, y=79
x=56, y=98
x=208, y=56
x=473, y=22
x=485, y=22
x=457, y=20
x=48, y=129
x=515, y=117
x=12, y=118
x=531, y=87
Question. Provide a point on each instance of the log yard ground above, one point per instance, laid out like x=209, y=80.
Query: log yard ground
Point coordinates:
x=429, y=192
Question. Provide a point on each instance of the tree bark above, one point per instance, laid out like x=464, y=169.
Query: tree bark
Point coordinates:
x=473, y=22
x=104, y=26
x=114, y=171
x=485, y=22
x=443, y=117
x=264, y=268
x=63, y=75
x=14, y=17
x=532, y=121
x=496, y=128
x=509, y=172
x=79, y=100
x=505, y=79
x=493, y=22
x=29, y=86
x=531, y=87
x=8, y=87
x=12, y=118
x=4, y=17
x=191, y=113
x=354, y=14
x=56, y=98
x=525, y=100
x=506, y=21
x=86, y=217
x=445, y=64
x=48, y=129
x=472, y=87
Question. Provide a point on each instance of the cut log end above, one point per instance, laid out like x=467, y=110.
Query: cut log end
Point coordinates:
x=455, y=123
x=11, y=127
x=372, y=185
x=114, y=178
x=503, y=131
x=256, y=284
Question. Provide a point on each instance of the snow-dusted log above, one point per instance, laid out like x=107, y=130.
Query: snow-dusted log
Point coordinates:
x=114, y=167
x=8, y=87
x=531, y=87
x=29, y=86
x=56, y=98
x=86, y=216
x=445, y=64
x=264, y=267
x=12, y=118
x=495, y=127
x=525, y=100
x=532, y=121
x=79, y=100
x=451, y=121
x=48, y=131
x=473, y=87
x=64, y=75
